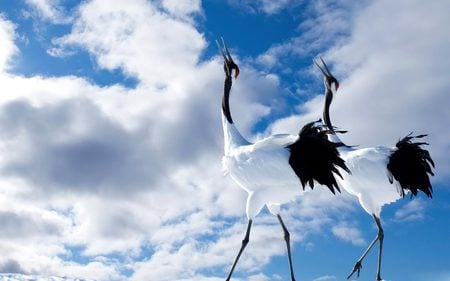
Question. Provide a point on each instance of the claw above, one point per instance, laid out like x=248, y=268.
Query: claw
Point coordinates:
x=356, y=268
x=229, y=64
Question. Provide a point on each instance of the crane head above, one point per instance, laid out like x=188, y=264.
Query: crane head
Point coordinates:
x=228, y=65
x=328, y=78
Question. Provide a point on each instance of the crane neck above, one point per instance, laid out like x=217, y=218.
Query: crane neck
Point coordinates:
x=232, y=136
x=226, y=99
x=327, y=120
x=326, y=108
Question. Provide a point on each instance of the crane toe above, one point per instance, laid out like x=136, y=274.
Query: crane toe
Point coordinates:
x=356, y=268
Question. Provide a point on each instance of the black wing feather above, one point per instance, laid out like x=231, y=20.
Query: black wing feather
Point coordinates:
x=410, y=166
x=314, y=158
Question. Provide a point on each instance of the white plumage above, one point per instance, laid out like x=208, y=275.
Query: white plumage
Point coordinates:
x=262, y=169
x=369, y=178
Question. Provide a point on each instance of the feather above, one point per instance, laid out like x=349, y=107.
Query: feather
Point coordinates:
x=314, y=158
x=410, y=165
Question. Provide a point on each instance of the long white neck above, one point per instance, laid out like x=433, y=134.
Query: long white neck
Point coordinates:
x=232, y=137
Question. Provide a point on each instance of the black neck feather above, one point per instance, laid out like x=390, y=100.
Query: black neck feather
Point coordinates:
x=226, y=99
x=326, y=109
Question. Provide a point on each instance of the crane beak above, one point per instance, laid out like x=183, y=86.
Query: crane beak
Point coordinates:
x=230, y=65
x=325, y=70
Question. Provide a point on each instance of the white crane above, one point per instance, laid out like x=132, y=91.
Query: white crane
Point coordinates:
x=373, y=170
x=272, y=169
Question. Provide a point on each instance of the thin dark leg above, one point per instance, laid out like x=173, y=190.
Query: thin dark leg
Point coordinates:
x=288, y=245
x=358, y=265
x=244, y=244
x=380, y=238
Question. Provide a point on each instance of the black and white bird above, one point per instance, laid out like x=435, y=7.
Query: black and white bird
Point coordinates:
x=272, y=170
x=375, y=169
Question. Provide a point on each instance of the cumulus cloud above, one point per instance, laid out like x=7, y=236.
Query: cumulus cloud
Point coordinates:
x=412, y=211
x=182, y=9
x=21, y=277
x=49, y=10
x=133, y=34
x=348, y=233
x=7, y=48
x=329, y=22
x=113, y=171
x=265, y=6
x=11, y=266
x=326, y=278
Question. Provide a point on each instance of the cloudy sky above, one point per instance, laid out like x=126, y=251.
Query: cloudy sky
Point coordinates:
x=111, y=138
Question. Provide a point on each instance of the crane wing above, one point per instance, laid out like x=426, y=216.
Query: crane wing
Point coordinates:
x=411, y=165
x=314, y=158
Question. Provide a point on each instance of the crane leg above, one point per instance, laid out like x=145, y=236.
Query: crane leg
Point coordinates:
x=358, y=264
x=380, y=239
x=288, y=245
x=244, y=244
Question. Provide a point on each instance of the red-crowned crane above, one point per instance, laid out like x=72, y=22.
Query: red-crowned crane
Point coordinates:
x=373, y=170
x=272, y=169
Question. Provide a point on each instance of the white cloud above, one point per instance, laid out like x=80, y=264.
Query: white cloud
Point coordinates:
x=269, y=7
x=112, y=171
x=8, y=48
x=348, y=233
x=328, y=24
x=21, y=277
x=49, y=10
x=182, y=9
x=412, y=211
x=138, y=39
x=259, y=277
x=326, y=278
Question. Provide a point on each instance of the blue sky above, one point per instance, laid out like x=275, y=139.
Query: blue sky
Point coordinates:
x=111, y=135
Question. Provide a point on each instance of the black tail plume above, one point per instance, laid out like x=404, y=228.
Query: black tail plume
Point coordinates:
x=411, y=165
x=314, y=157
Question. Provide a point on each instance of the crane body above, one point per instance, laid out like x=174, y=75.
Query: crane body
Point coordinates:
x=274, y=170
x=379, y=175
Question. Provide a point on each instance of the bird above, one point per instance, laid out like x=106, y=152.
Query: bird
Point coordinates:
x=379, y=175
x=276, y=169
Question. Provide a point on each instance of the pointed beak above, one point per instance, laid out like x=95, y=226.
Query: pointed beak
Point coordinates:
x=326, y=71
x=323, y=68
x=228, y=60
